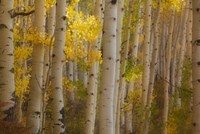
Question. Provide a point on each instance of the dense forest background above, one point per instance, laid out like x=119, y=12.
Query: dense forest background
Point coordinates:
x=99, y=66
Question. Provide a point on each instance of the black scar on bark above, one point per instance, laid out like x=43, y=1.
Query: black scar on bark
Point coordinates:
x=12, y=70
x=37, y=113
x=64, y=17
x=197, y=42
x=62, y=112
x=2, y=67
x=3, y=26
x=113, y=1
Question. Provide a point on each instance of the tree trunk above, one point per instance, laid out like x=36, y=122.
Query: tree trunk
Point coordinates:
x=34, y=104
x=146, y=58
x=7, y=84
x=57, y=68
x=195, y=67
x=108, y=74
x=120, y=15
x=47, y=64
x=93, y=81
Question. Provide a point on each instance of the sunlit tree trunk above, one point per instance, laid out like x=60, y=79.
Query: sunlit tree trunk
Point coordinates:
x=93, y=81
x=57, y=68
x=108, y=68
x=120, y=15
x=7, y=84
x=196, y=67
x=34, y=104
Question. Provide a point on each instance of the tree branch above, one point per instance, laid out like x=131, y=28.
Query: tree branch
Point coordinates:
x=14, y=14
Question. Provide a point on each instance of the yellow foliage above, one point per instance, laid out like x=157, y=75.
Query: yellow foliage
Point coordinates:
x=81, y=29
x=49, y=4
x=68, y=84
x=37, y=38
x=22, y=75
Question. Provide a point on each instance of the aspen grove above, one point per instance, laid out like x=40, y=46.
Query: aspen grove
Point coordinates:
x=99, y=66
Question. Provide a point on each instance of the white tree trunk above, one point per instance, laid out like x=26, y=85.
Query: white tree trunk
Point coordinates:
x=47, y=64
x=108, y=74
x=34, y=104
x=93, y=82
x=7, y=84
x=57, y=68
x=120, y=15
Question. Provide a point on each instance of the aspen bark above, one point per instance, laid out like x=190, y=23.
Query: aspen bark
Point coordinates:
x=146, y=62
x=47, y=63
x=146, y=59
x=7, y=84
x=34, y=104
x=93, y=82
x=195, y=67
x=108, y=74
x=120, y=15
x=57, y=68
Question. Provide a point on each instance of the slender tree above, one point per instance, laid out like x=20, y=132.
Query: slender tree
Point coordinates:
x=108, y=74
x=57, y=68
x=34, y=104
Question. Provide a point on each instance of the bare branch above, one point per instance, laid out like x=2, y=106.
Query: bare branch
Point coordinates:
x=14, y=14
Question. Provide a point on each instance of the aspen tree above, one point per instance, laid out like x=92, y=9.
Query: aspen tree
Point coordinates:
x=195, y=67
x=146, y=58
x=93, y=81
x=34, y=104
x=57, y=68
x=120, y=15
x=146, y=64
x=47, y=63
x=108, y=68
x=7, y=84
